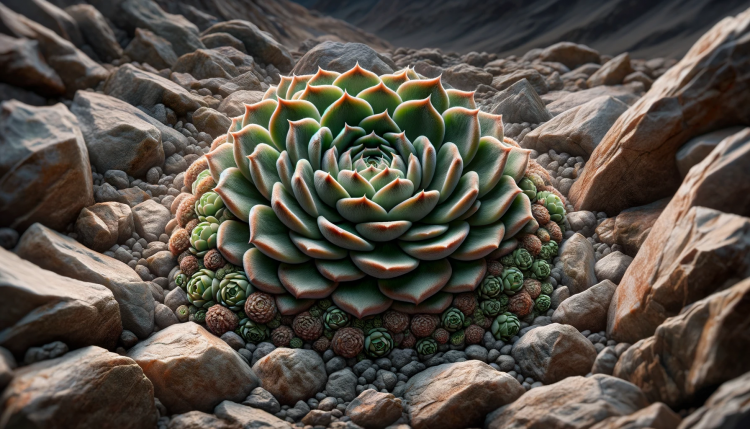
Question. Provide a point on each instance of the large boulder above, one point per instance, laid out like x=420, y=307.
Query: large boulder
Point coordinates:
x=633, y=165
x=90, y=387
x=553, y=352
x=103, y=225
x=656, y=416
x=668, y=272
x=698, y=148
x=632, y=226
x=65, y=256
x=147, y=47
x=458, y=395
x=691, y=354
x=50, y=16
x=613, y=72
x=628, y=94
x=520, y=103
x=574, y=403
x=727, y=408
x=22, y=65
x=291, y=375
x=192, y=369
x=45, y=174
x=374, y=410
x=96, y=31
x=570, y=54
x=48, y=307
x=579, y=262
x=341, y=57
x=587, y=311
x=257, y=43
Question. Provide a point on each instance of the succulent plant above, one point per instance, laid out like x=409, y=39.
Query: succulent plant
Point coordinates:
x=473, y=334
x=227, y=268
x=543, y=235
x=316, y=311
x=505, y=326
x=191, y=174
x=493, y=307
x=441, y=335
x=395, y=321
x=466, y=302
x=220, y=320
x=200, y=316
x=426, y=346
x=254, y=332
x=378, y=343
x=233, y=291
x=553, y=204
x=532, y=287
x=458, y=337
x=182, y=313
x=549, y=250
x=209, y=205
x=555, y=233
x=521, y=303
x=307, y=327
x=531, y=243
x=260, y=307
x=180, y=279
x=480, y=319
x=547, y=289
x=522, y=259
x=202, y=288
x=335, y=318
x=371, y=191
x=528, y=188
x=213, y=260
x=491, y=287
x=409, y=341
x=203, y=237
x=542, y=303
x=494, y=268
x=323, y=304
x=186, y=213
x=452, y=319
x=512, y=280
x=540, y=214
x=275, y=322
x=281, y=336
x=423, y=325
x=179, y=241
x=348, y=342
x=296, y=343
x=540, y=270
x=189, y=265
x=321, y=344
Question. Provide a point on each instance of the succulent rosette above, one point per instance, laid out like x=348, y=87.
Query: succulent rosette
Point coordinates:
x=233, y=291
x=540, y=269
x=335, y=318
x=505, y=326
x=202, y=288
x=426, y=346
x=378, y=343
x=554, y=205
x=374, y=191
x=491, y=287
x=522, y=259
x=452, y=320
x=512, y=280
x=549, y=250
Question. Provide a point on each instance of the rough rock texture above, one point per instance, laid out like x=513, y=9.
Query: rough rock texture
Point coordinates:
x=258, y=44
x=374, y=410
x=465, y=77
x=90, y=387
x=234, y=105
x=570, y=54
x=212, y=122
x=199, y=420
x=691, y=354
x=706, y=90
x=698, y=148
x=632, y=226
x=22, y=64
x=45, y=174
x=628, y=94
x=65, y=256
x=613, y=72
x=727, y=408
x=655, y=416
x=48, y=307
x=50, y=16
x=667, y=273
x=103, y=225
x=534, y=77
x=577, y=256
x=458, y=395
x=341, y=57
x=249, y=417
x=613, y=266
x=553, y=352
x=147, y=47
x=587, y=311
x=520, y=103
x=291, y=375
x=150, y=219
x=192, y=369
x=577, y=131
x=96, y=31
x=573, y=403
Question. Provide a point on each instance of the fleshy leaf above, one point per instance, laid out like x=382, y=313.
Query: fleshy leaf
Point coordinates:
x=416, y=207
x=245, y=142
x=418, y=285
x=491, y=125
x=271, y=237
x=393, y=81
x=358, y=210
x=343, y=236
x=506, y=247
x=289, y=110
x=517, y=215
x=238, y=194
x=263, y=169
x=381, y=98
x=329, y=190
x=531, y=227
x=402, y=144
x=482, y=241
x=262, y=271
x=460, y=201
x=427, y=155
x=518, y=162
x=419, y=118
x=371, y=140
x=422, y=89
x=303, y=187
x=259, y=113
x=235, y=126
x=447, y=171
x=384, y=177
x=270, y=94
x=283, y=87
x=414, y=172
x=298, y=83
x=284, y=169
x=473, y=209
x=290, y=306
x=356, y=184
x=435, y=304
x=489, y=163
x=319, y=143
x=346, y=110
x=298, y=138
x=383, y=231
x=220, y=159
x=379, y=123
x=342, y=270
x=393, y=193
x=439, y=247
x=323, y=77
x=317, y=249
x=496, y=202
x=321, y=96
x=330, y=163
x=346, y=137
x=233, y=240
x=462, y=129
x=466, y=276
x=385, y=262
x=356, y=79
x=424, y=232
x=459, y=98
x=290, y=213
x=361, y=298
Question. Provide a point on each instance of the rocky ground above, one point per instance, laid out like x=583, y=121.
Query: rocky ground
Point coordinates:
x=106, y=107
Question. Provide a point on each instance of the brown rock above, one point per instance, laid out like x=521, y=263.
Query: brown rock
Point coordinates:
x=234, y=105
x=727, y=408
x=147, y=47
x=374, y=410
x=633, y=225
x=48, y=307
x=573, y=403
x=192, y=369
x=655, y=416
x=212, y=122
x=249, y=417
x=570, y=54
x=691, y=354
x=560, y=101
x=587, y=311
x=103, y=225
x=96, y=31
x=22, y=64
x=628, y=167
x=612, y=266
x=606, y=231
x=199, y=420
x=613, y=72
x=458, y=395
x=45, y=174
x=90, y=387
x=577, y=256
x=291, y=375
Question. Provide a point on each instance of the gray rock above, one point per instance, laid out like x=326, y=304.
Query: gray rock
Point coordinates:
x=150, y=219
x=628, y=94
x=262, y=399
x=341, y=57
x=96, y=31
x=257, y=43
x=216, y=40
x=198, y=420
x=727, y=408
x=336, y=363
x=613, y=266
x=328, y=403
x=578, y=259
x=317, y=418
x=587, y=310
x=128, y=339
x=385, y=380
x=234, y=105
x=559, y=296
x=175, y=298
x=520, y=103
x=506, y=363
x=103, y=225
x=164, y=317
x=146, y=47
x=613, y=72
x=570, y=54
x=7, y=365
x=374, y=410
x=212, y=122
x=476, y=352
x=117, y=178
x=342, y=384
x=161, y=263
x=466, y=77
x=235, y=341
x=52, y=350
x=535, y=79
x=8, y=238
x=50, y=16
x=248, y=417
x=291, y=375
x=23, y=66
x=582, y=221
x=412, y=368
x=401, y=357
x=605, y=361
x=698, y=148
x=262, y=350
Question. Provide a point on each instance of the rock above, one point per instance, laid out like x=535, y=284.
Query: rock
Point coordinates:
x=150, y=219
x=22, y=65
x=65, y=256
x=96, y=31
x=90, y=387
x=212, y=122
x=209, y=63
x=632, y=226
x=103, y=225
x=198, y=420
x=535, y=79
x=147, y=47
x=570, y=54
x=587, y=311
x=628, y=167
x=577, y=256
x=613, y=72
x=605, y=361
x=7, y=365
x=639, y=77
x=727, y=408
x=141, y=88
x=164, y=317
x=234, y=105
x=216, y=40
x=341, y=57
x=317, y=418
x=45, y=174
x=576, y=131
x=291, y=375
x=612, y=266
x=257, y=43
x=342, y=384
x=559, y=296
x=175, y=298
x=248, y=417
x=262, y=399
x=656, y=415
x=694, y=352
x=75, y=68
x=48, y=307
x=575, y=402
x=374, y=410
x=458, y=395
x=465, y=77
x=553, y=352
x=161, y=263
x=698, y=148
x=628, y=94
x=192, y=369
x=52, y=350
x=50, y=16
x=520, y=103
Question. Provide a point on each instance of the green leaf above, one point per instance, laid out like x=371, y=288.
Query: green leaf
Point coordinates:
x=439, y=247
x=416, y=207
x=507, y=246
x=447, y=171
x=342, y=270
x=303, y=187
x=383, y=231
x=414, y=172
x=358, y=210
x=319, y=143
x=259, y=113
x=343, y=235
x=288, y=305
x=393, y=193
x=427, y=158
x=402, y=144
x=298, y=138
x=263, y=169
x=283, y=87
x=289, y=110
x=290, y=213
x=517, y=163
x=424, y=232
x=462, y=129
x=235, y=126
x=346, y=137
x=517, y=215
x=419, y=118
x=270, y=94
x=466, y=276
x=393, y=81
x=435, y=304
x=491, y=125
x=220, y=159
x=329, y=190
x=232, y=240
x=422, y=89
x=482, y=241
x=317, y=249
x=460, y=201
x=385, y=262
x=298, y=83
x=384, y=177
x=370, y=141
x=330, y=163
x=356, y=184
x=356, y=79
x=418, y=285
x=245, y=142
x=496, y=202
x=531, y=227
x=271, y=237
x=489, y=163
x=284, y=169
x=458, y=98
x=380, y=124
x=346, y=110
x=238, y=194
x=361, y=298
x=473, y=209
x=381, y=98
x=323, y=77
x=261, y=271
x=321, y=96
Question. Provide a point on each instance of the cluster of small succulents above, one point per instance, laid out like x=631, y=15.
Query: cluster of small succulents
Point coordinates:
x=318, y=220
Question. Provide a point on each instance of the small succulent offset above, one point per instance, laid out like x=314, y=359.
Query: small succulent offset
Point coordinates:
x=522, y=259
x=554, y=205
x=452, y=319
x=253, y=332
x=377, y=192
x=335, y=318
x=505, y=326
x=491, y=287
x=540, y=269
x=378, y=343
x=426, y=346
x=542, y=303
x=512, y=280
